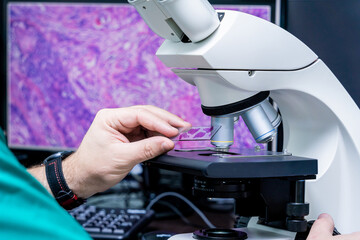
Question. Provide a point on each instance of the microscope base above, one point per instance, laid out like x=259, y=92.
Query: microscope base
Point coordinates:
x=252, y=234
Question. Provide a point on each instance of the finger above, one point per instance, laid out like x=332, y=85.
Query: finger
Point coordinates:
x=125, y=120
x=322, y=228
x=171, y=118
x=149, y=148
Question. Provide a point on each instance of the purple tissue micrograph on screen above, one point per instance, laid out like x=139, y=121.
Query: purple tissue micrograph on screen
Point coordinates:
x=67, y=61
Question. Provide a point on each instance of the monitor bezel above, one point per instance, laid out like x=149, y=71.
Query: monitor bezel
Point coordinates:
x=32, y=156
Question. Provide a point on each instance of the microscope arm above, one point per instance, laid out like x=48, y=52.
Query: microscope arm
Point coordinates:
x=320, y=119
x=245, y=56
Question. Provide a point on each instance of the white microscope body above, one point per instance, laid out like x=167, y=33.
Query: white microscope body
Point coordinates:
x=246, y=55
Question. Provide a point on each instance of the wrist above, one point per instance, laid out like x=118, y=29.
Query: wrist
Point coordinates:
x=73, y=177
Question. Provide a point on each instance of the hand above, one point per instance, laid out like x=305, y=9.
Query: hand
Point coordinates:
x=116, y=141
x=323, y=228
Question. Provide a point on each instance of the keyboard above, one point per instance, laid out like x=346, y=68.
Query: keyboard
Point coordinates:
x=111, y=223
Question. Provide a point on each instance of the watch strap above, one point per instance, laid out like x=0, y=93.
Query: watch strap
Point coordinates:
x=56, y=180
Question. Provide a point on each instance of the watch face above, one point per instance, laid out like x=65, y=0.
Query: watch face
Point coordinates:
x=61, y=155
x=58, y=154
x=65, y=154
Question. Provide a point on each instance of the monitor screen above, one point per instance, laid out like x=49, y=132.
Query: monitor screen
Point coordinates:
x=66, y=61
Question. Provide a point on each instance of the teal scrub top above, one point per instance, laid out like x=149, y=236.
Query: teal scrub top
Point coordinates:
x=27, y=210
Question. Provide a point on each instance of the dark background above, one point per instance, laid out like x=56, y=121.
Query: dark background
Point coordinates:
x=331, y=28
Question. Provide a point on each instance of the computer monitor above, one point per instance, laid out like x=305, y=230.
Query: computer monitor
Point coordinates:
x=67, y=60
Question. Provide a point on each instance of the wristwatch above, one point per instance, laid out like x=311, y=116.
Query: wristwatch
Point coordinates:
x=56, y=180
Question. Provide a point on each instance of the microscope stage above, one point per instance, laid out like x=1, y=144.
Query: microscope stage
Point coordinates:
x=252, y=234
x=236, y=163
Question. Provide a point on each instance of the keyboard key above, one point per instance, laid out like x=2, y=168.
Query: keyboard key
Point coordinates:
x=92, y=229
x=92, y=209
x=81, y=217
x=137, y=217
x=102, y=212
x=126, y=224
x=136, y=211
x=119, y=231
x=106, y=230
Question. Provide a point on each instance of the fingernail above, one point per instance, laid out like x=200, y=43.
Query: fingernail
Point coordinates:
x=166, y=146
x=323, y=215
x=184, y=129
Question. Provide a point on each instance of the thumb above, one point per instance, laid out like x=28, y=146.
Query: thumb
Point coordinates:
x=149, y=148
x=322, y=228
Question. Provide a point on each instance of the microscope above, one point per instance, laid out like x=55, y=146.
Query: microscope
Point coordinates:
x=238, y=62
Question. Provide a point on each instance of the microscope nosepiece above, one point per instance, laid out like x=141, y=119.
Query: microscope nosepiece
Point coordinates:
x=260, y=117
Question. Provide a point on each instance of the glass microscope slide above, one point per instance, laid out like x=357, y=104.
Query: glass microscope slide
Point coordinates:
x=196, y=134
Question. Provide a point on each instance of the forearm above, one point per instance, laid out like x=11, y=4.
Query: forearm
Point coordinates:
x=38, y=172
